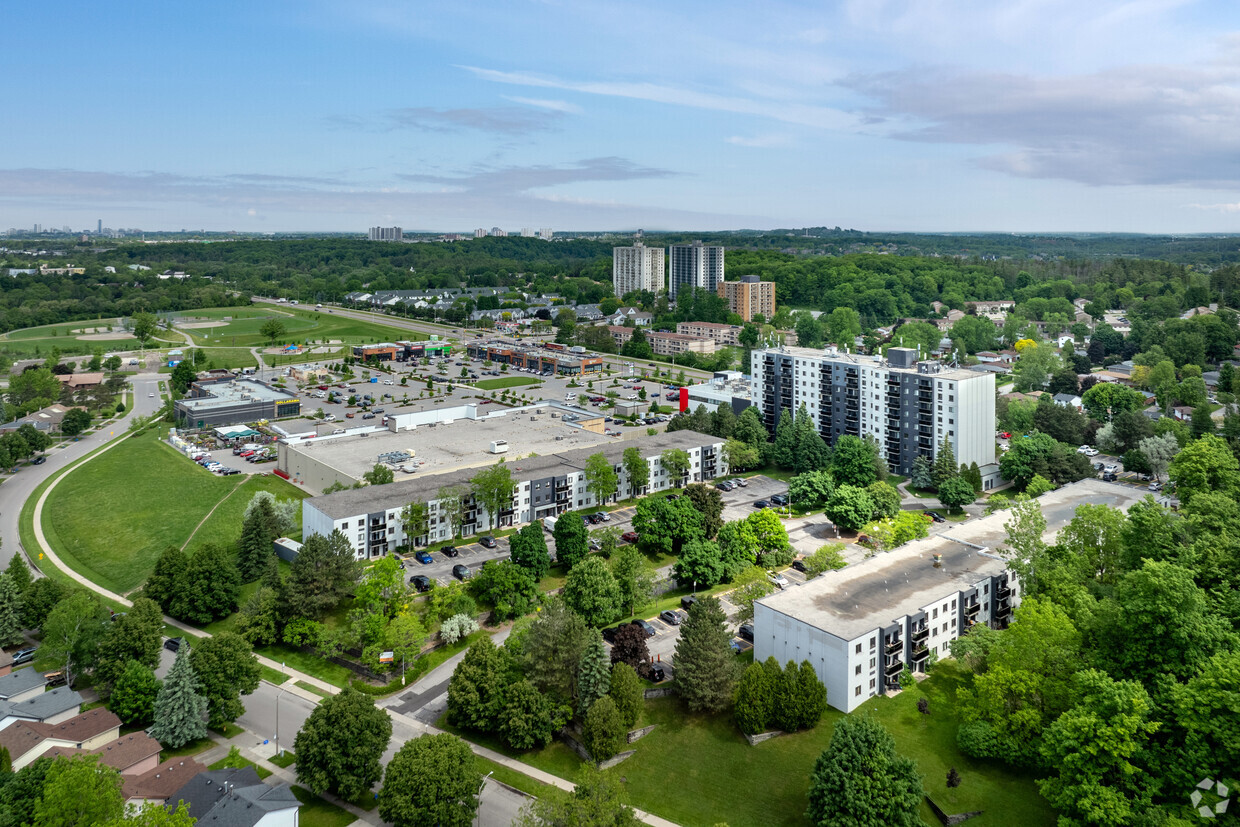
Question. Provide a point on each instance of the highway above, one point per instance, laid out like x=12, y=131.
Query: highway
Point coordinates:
x=616, y=363
x=19, y=487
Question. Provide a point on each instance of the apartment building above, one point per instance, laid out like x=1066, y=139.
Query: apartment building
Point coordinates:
x=749, y=296
x=664, y=344
x=546, y=486
x=862, y=625
x=386, y=234
x=723, y=335
x=694, y=265
x=636, y=268
x=909, y=408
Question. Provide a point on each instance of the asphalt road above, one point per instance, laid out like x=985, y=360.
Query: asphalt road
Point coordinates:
x=19, y=487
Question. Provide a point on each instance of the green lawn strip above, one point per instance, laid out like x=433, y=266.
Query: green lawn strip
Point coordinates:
x=309, y=687
x=284, y=761
x=192, y=748
x=511, y=777
x=555, y=758
x=505, y=382
x=315, y=812
x=307, y=663
x=227, y=730
x=226, y=763
x=273, y=675
x=229, y=357
x=224, y=525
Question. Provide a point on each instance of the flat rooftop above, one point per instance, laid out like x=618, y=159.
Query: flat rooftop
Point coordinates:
x=864, y=361
x=872, y=593
x=234, y=391
x=464, y=443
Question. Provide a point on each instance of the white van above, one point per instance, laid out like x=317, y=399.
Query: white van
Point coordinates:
x=549, y=523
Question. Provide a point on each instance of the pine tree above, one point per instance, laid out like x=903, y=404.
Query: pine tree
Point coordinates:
x=271, y=578
x=785, y=440
x=254, y=548
x=975, y=477
x=706, y=670
x=922, y=475
x=944, y=463
x=953, y=778
x=10, y=612
x=593, y=674
x=180, y=710
x=20, y=572
x=811, y=696
x=755, y=697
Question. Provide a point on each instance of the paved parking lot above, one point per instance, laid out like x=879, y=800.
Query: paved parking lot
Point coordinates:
x=738, y=503
x=471, y=554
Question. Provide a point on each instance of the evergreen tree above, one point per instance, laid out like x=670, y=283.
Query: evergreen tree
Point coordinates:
x=859, y=779
x=603, y=732
x=785, y=440
x=812, y=452
x=20, y=572
x=1226, y=378
x=10, y=612
x=922, y=475
x=593, y=674
x=180, y=710
x=723, y=421
x=811, y=696
x=705, y=668
x=750, y=429
x=755, y=697
x=254, y=547
x=626, y=691
x=944, y=463
x=975, y=477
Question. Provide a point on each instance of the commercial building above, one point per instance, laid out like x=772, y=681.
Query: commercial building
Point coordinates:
x=694, y=265
x=386, y=234
x=549, y=357
x=749, y=297
x=636, y=268
x=909, y=408
x=723, y=335
x=402, y=351
x=232, y=400
x=664, y=344
x=546, y=486
x=728, y=387
x=862, y=625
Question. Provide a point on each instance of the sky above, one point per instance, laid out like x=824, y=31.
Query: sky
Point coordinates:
x=882, y=115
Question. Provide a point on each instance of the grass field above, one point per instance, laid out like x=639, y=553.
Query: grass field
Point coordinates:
x=112, y=518
x=505, y=382
x=315, y=812
x=300, y=325
x=719, y=777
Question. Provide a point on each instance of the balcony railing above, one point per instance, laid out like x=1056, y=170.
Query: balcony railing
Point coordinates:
x=894, y=667
x=894, y=646
x=921, y=634
x=1003, y=592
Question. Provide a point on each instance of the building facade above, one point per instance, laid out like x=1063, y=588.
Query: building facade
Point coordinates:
x=664, y=344
x=749, y=297
x=636, y=268
x=548, y=358
x=232, y=400
x=694, y=265
x=546, y=486
x=908, y=408
x=723, y=335
x=386, y=234
x=861, y=626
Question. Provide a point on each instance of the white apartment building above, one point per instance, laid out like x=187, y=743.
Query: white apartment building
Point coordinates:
x=636, y=268
x=694, y=265
x=862, y=625
x=907, y=407
x=386, y=234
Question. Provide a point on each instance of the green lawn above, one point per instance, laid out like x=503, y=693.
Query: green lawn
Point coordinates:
x=309, y=687
x=112, y=518
x=719, y=777
x=308, y=663
x=511, y=777
x=301, y=325
x=192, y=748
x=505, y=382
x=315, y=812
x=284, y=761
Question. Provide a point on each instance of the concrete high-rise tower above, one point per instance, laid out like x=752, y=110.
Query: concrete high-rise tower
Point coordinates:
x=694, y=265
x=636, y=268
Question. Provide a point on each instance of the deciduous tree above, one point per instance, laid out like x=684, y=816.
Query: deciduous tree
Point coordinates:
x=603, y=731
x=80, y=790
x=226, y=669
x=339, y=746
x=598, y=800
x=71, y=635
x=134, y=693
x=591, y=592
x=859, y=779
x=492, y=489
x=601, y=477
x=529, y=550
x=572, y=541
x=636, y=470
x=626, y=691
x=432, y=781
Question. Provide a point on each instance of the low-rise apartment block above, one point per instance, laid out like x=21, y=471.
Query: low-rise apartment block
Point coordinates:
x=664, y=344
x=749, y=297
x=908, y=408
x=723, y=335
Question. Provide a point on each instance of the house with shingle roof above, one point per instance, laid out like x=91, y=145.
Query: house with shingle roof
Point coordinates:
x=155, y=786
x=61, y=704
x=237, y=798
x=29, y=740
x=22, y=684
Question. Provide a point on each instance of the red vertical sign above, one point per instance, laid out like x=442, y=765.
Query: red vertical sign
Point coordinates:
x=684, y=399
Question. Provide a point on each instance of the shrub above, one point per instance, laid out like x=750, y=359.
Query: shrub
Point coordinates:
x=457, y=628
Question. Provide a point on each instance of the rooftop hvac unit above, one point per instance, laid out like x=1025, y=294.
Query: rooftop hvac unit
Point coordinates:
x=499, y=446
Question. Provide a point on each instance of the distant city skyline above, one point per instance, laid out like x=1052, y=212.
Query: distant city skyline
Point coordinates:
x=880, y=115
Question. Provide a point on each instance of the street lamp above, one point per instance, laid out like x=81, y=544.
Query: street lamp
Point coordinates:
x=278, y=697
x=478, y=812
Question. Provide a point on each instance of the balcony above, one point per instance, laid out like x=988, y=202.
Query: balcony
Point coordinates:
x=919, y=635
x=893, y=667
x=920, y=653
x=1003, y=592
x=894, y=645
x=971, y=608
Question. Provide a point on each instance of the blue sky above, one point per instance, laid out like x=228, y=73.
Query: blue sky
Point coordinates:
x=931, y=115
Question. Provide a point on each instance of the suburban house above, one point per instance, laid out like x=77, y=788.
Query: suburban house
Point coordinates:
x=155, y=786
x=29, y=740
x=82, y=380
x=237, y=798
x=1068, y=400
x=22, y=684
x=54, y=707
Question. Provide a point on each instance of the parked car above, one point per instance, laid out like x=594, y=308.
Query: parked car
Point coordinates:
x=173, y=644
x=609, y=634
x=656, y=673
x=777, y=580
x=39, y=460
x=488, y=542
x=450, y=551
x=460, y=572
x=399, y=561
x=1155, y=486
x=798, y=564
x=645, y=627
x=629, y=537
x=780, y=499
x=24, y=655
x=423, y=557
x=687, y=601
x=671, y=617
x=745, y=632
x=741, y=482
x=761, y=504
x=420, y=582
x=1005, y=435
x=936, y=516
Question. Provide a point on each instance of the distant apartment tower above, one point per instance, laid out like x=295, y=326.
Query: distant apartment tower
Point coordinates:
x=545, y=234
x=497, y=232
x=386, y=234
x=99, y=227
x=480, y=232
x=636, y=268
x=749, y=296
x=908, y=408
x=527, y=232
x=694, y=265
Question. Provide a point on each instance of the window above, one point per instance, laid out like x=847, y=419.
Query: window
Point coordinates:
x=858, y=670
x=343, y=526
x=953, y=623
x=944, y=608
x=953, y=604
x=871, y=663
x=944, y=628
x=934, y=631
x=986, y=589
x=936, y=614
x=872, y=681
x=857, y=692
x=858, y=648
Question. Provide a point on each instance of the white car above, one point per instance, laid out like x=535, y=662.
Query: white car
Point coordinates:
x=151, y=395
x=777, y=580
x=1092, y=452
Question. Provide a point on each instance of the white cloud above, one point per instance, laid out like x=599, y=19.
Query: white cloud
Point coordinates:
x=543, y=103
x=769, y=141
x=1223, y=208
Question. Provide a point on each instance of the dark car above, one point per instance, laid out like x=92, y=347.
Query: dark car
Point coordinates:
x=420, y=582
x=629, y=536
x=460, y=572
x=671, y=617
x=450, y=551
x=488, y=542
x=39, y=460
x=423, y=557
x=799, y=565
x=656, y=672
x=687, y=602
x=762, y=504
x=745, y=632
x=645, y=627
x=936, y=516
x=173, y=644
x=24, y=655
x=609, y=634
x=780, y=499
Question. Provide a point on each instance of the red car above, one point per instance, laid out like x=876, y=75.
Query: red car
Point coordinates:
x=629, y=536
x=1005, y=435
